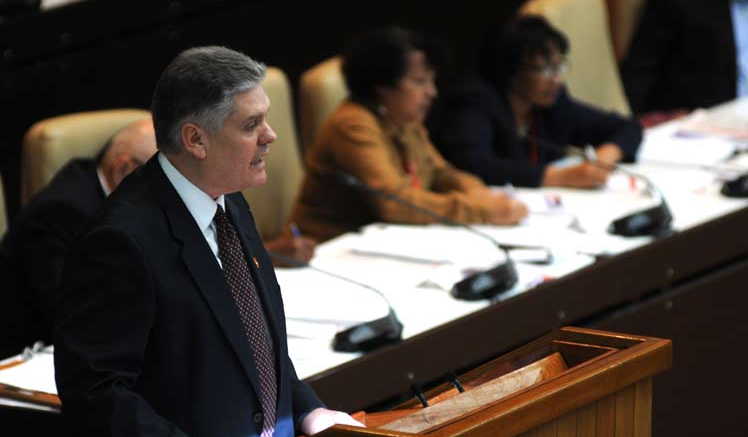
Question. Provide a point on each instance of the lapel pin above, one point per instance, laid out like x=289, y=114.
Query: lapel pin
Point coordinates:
x=257, y=263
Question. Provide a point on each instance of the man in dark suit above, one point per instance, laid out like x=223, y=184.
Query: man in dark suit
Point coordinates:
x=32, y=253
x=683, y=56
x=171, y=321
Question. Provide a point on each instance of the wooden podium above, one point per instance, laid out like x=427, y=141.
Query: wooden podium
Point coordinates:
x=572, y=382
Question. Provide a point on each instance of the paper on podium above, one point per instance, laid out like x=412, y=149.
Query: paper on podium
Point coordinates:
x=32, y=375
x=34, y=372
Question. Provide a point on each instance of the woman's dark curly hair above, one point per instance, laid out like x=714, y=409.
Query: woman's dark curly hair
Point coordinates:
x=506, y=49
x=379, y=58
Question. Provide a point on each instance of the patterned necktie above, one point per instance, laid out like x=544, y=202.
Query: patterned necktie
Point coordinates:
x=239, y=279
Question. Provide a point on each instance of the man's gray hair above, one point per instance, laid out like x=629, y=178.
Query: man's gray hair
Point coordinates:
x=199, y=87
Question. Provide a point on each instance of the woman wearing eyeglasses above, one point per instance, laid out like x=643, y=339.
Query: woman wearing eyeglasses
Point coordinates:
x=510, y=124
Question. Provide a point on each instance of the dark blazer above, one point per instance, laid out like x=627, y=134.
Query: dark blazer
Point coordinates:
x=682, y=56
x=473, y=126
x=148, y=340
x=34, y=248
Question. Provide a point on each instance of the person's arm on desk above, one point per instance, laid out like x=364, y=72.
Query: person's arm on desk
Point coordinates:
x=293, y=245
x=504, y=208
x=609, y=153
x=584, y=175
x=589, y=174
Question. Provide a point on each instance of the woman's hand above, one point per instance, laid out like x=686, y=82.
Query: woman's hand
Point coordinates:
x=299, y=248
x=609, y=153
x=505, y=210
x=584, y=175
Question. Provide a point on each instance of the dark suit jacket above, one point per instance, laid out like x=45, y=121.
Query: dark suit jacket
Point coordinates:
x=148, y=340
x=34, y=248
x=474, y=128
x=682, y=56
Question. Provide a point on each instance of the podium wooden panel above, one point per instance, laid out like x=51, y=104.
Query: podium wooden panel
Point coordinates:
x=603, y=389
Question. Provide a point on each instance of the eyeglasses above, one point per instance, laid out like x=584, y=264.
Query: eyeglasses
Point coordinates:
x=548, y=71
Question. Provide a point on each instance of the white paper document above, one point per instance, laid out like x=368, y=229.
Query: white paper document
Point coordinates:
x=37, y=372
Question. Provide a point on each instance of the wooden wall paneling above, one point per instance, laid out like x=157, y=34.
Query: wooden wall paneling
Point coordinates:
x=643, y=408
x=625, y=411
x=567, y=424
x=606, y=416
x=587, y=421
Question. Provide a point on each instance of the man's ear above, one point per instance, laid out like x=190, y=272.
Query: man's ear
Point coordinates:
x=120, y=167
x=195, y=140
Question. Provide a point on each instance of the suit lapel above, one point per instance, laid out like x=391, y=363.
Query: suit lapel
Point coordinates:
x=204, y=269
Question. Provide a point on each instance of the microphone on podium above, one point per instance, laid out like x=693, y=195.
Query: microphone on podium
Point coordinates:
x=481, y=285
x=364, y=336
x=656, y=220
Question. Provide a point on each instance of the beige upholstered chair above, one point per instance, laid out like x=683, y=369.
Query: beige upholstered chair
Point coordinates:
x=593, y=77
x=624, y=18
x=271, y=203
x=321, y=89
x=49, y=144
x=3, y=210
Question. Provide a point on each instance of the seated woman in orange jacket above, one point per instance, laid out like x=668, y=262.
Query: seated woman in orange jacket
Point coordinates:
x=377, y=135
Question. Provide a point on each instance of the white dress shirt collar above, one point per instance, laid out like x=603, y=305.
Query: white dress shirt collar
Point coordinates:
x=103, y=182
x=201, y=206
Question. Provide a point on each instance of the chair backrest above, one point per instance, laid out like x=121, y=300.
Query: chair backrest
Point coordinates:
x=321, y=89
x=3, y=210
x=272, y=202
x=50, y=143
x=593, y=77
x=624, y=18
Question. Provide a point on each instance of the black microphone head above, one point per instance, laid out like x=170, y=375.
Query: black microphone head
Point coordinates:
x=737, y=187
x=656, y=221
x=367, y=336
x=487, y=284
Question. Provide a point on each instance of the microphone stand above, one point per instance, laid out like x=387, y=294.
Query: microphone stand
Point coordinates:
x=656, y=220
x=481, y=285
x=364, y=336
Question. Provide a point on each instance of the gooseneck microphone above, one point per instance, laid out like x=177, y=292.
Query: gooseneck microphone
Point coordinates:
x=361, y=337
x=481, y=285
x=656, y=220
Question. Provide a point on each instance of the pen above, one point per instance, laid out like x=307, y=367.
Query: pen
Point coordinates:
x=295, y=230
x=509, y=190
x=590, y=153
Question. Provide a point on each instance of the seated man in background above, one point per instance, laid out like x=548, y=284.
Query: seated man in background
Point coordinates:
x=33, y=251
x=687, y=54
x=377, y=136
x=515, y=118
